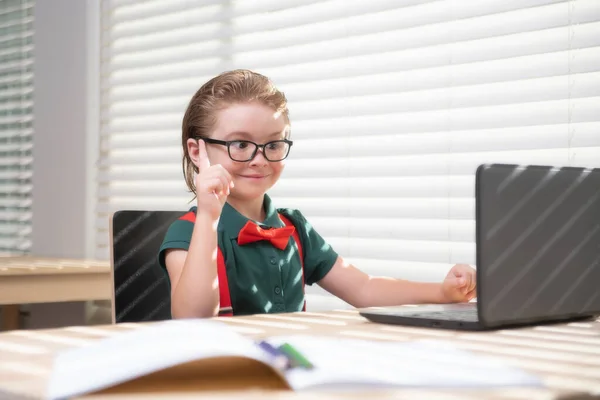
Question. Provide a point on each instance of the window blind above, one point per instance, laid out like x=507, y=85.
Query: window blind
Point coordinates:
x=16, y=122
x=393, y=104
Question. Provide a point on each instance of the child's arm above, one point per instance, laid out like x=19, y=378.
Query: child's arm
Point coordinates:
x=193, y=273
x=361, y=290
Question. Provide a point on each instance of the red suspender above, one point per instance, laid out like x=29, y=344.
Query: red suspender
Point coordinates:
x=225, y=308
x=190, y=216
x=297, y=239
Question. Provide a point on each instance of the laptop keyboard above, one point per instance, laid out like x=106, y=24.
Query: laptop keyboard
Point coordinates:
x=450, y=315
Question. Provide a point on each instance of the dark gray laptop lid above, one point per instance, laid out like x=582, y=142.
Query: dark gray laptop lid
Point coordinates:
x=538, y=243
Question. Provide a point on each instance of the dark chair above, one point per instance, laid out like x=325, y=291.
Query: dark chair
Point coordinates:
x=141, y=290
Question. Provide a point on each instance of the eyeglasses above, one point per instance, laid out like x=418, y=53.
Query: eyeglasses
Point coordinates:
x=245, y=150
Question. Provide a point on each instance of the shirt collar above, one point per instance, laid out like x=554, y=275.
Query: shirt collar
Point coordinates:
x=231, y=221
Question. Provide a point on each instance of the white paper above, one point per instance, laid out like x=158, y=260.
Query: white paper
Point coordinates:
x=350, y=364
x=345, y=364
x=137, y=353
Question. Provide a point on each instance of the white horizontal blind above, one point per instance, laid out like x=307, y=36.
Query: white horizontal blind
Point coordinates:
x=16, y=124
x=393, y=105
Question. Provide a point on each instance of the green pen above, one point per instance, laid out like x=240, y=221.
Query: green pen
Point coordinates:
x=297, y=359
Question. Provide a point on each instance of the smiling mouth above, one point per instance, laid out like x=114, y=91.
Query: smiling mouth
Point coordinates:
x=257, y=177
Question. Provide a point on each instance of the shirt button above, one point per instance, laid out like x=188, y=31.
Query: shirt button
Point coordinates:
x=277, y=290
x=273, y=260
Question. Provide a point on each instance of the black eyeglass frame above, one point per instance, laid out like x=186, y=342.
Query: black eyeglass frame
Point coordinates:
x=257, y=146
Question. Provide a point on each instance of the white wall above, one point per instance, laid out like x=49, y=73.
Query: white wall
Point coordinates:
x=59, y=153
x=65, y=41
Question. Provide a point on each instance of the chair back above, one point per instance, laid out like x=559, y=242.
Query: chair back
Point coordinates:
x=140, y=287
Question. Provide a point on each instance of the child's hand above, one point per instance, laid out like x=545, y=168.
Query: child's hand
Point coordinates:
x=460, y=284
x=213, y=184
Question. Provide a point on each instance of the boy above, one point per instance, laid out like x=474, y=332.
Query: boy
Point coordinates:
x=235, y=251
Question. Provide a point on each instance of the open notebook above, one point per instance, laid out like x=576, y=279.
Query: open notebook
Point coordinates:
x=206, y=354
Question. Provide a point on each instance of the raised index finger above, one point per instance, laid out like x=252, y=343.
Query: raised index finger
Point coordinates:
x=203, y=161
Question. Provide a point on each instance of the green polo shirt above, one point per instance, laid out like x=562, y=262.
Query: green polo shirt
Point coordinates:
x=262, y=278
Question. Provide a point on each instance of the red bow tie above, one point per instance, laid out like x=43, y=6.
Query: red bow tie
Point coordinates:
x=279, y=237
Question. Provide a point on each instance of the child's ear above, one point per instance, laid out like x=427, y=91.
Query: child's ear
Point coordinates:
x=192, y=149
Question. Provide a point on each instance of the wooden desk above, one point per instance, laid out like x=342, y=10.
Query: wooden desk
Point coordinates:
x=26, y=280
x=566, y=356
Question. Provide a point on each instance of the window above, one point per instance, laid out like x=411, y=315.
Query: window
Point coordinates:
x=393, y=104
x=16, y=125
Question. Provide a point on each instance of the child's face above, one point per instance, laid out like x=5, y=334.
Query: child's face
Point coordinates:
x=257, y=123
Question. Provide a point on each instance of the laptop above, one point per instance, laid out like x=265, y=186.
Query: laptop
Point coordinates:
x=538, y=252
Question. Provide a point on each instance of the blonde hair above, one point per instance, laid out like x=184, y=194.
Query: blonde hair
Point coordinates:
x=237, y=86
